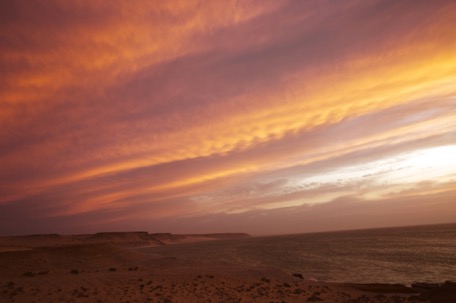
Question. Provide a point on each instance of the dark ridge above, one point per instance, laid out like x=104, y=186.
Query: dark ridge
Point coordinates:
x=384, y=288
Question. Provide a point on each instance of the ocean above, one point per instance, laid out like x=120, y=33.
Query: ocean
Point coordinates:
x=388, y=255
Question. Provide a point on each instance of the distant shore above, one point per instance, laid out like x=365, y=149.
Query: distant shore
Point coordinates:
x=107, y=267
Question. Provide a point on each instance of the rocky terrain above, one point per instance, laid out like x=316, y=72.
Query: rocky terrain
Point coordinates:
x=108, y=267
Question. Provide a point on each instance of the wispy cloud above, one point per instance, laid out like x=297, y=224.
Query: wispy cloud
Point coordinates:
x=185, y=108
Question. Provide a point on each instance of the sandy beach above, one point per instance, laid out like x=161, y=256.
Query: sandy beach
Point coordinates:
x=109, y=267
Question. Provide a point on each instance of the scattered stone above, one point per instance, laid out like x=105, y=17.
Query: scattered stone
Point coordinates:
x=396, y=299
x=261, y=291
x=414, y=298
x=314, y=298
x=298, y=291
x=17, y=291
x=297, y=275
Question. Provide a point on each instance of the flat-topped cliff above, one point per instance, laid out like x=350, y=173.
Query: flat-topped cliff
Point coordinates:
x=132, y=238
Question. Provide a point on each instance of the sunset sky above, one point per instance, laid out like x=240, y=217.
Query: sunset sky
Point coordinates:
x=265, y=117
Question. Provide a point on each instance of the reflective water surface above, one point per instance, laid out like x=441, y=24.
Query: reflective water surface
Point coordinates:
x=391, y=255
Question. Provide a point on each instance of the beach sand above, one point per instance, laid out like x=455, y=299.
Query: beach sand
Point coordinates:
x=108, y=267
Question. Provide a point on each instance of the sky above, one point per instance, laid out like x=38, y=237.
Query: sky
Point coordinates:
x=265, y=117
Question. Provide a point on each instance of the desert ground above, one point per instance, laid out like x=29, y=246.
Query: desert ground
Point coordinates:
x=110, y=267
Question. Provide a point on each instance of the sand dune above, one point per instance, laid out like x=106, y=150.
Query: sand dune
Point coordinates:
x=103, y=268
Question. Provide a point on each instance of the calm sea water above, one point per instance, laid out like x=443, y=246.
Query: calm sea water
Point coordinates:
x=393, y=255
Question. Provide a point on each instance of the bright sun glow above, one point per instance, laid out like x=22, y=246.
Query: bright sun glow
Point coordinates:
x=437, y=164
x=442, y=157
x=432, y=164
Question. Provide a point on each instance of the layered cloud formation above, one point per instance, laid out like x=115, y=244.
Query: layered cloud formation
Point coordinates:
x=255, y=116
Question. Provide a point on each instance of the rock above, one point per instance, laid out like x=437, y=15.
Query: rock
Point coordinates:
x=396, y=299
x=437, y=293
x=384, y=288
x=425, y=286
x=446, y=293
x=300, y=276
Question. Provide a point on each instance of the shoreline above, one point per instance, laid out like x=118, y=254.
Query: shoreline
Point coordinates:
x=118, y=271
